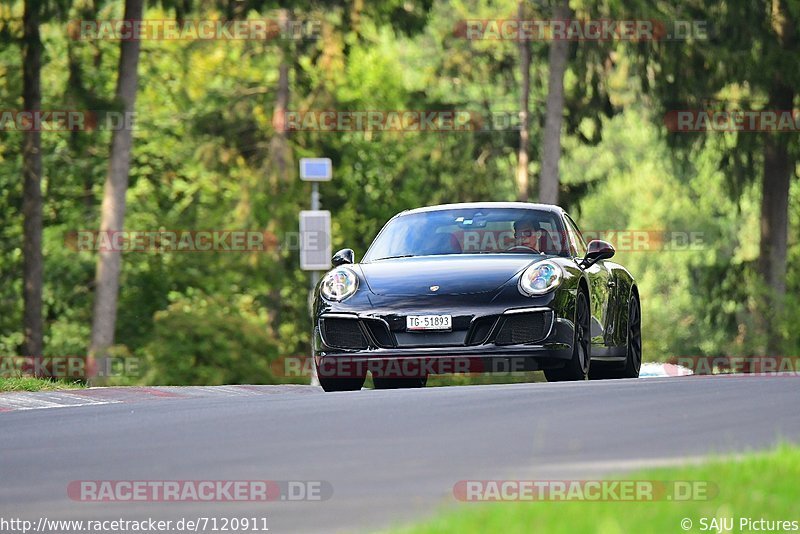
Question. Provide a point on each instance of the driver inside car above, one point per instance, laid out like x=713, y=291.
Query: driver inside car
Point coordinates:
x=526, y=235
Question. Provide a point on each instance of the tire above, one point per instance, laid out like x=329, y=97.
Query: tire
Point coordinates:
x=633, y=359
x=577, y=368
x=399, y=383
x=340, y=384
x=633, y=362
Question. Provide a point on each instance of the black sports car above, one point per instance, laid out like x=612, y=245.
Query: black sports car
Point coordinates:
x=478, y=287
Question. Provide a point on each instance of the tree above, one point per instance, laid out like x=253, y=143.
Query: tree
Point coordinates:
x=778, y=170
x=113, y=207
x=33, y=262
x=279, y=146
x=524, y=96
x=551, y=146
x=707, y=68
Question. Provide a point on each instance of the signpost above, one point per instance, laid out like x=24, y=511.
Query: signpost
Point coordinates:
x=315, y=225
x=315, y=228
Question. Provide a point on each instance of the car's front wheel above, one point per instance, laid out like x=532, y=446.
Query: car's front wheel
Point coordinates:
x=577, y=368
x=340, y=384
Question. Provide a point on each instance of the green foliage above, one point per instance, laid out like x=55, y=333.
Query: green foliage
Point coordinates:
x=36, y=384
x=699, y=294
x=199, y=340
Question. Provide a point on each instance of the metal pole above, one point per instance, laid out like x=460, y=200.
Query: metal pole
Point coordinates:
x=314, y=279
x=314, y=196
x=314, y=206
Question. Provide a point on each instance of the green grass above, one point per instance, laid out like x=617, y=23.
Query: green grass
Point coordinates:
x=27, y=383
x=763, y=485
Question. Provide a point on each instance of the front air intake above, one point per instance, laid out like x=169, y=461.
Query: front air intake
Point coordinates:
x=523, y=328
x=343, y=333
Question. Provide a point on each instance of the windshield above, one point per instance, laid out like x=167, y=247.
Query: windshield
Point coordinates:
x=470, y=231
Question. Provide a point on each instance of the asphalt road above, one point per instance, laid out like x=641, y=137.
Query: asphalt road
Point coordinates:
x=390, y=456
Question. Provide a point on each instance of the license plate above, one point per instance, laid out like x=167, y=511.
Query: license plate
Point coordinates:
x=429, y=322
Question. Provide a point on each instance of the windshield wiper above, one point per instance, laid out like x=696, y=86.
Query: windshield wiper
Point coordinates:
x=395, y=257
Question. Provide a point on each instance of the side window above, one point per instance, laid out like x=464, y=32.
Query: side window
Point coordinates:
x=575, y=237
x=550, y=241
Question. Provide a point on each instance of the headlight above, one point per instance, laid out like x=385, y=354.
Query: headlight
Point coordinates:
x=540, y=278
x=339, y=284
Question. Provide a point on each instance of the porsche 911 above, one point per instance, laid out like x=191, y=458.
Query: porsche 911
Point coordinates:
x=476, y=287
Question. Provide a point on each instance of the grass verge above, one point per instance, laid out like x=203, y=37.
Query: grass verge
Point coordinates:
x=27, y=383
x=757, y=486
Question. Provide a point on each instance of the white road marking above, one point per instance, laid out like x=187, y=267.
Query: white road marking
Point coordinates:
x=39, y=400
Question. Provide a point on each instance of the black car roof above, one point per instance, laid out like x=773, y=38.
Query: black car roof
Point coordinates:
x=479, y=205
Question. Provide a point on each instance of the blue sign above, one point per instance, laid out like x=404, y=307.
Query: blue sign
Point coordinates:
x=316, y=169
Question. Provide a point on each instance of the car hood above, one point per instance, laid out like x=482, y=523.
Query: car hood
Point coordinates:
x=455, y=274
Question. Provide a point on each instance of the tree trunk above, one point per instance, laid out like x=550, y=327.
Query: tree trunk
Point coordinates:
x=779, y=167
x=280, y=153
x=279, y=146
x=113, y=208
x=522, y=157
x=778, y=171
x=33, y=263
x=551, y=145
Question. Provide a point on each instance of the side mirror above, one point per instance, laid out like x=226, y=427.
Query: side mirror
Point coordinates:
x=596, y=251
x=344, y=256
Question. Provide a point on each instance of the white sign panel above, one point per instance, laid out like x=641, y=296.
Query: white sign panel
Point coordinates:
x=315, y=240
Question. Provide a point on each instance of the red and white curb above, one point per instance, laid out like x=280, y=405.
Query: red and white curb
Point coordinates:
x=39, y=400
x=661, y=370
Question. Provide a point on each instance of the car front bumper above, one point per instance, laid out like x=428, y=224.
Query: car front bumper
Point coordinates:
x=477, y=342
